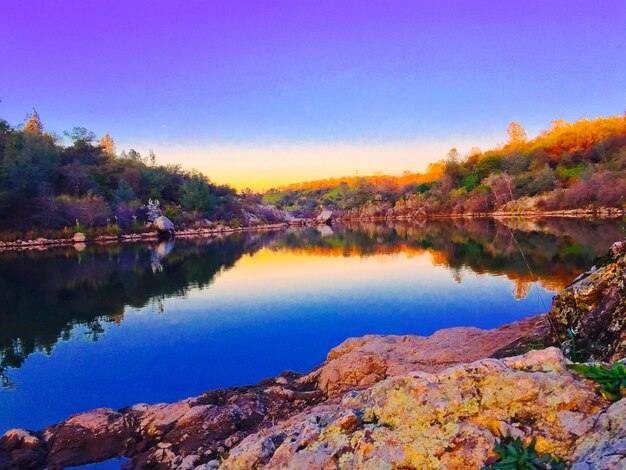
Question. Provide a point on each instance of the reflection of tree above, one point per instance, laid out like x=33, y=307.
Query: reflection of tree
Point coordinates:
x=52, y=295
x=557, y=250
x=47, y=295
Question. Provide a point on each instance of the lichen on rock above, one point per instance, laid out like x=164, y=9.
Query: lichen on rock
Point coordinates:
x=444, y=420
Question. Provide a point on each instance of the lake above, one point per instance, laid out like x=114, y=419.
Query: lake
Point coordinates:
x=129, y=323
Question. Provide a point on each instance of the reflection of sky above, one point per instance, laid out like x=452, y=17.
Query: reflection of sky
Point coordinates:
x=273, y=311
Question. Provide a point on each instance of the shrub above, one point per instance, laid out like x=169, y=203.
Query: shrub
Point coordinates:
x=88, y=210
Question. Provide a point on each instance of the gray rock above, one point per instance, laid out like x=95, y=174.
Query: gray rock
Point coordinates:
x=325, y=216
x=163, y=225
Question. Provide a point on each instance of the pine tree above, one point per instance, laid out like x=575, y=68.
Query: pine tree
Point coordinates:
x=33, y=124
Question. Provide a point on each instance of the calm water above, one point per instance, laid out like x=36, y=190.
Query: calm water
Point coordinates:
x=123, y=324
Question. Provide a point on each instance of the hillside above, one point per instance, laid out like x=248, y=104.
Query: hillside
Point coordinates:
x=88, y=186
x=571, y=165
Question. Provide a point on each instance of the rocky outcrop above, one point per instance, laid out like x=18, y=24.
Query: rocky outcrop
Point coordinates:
x=447, y=420
x=593, y=307
x=361, y=362
x=201, y=430
x=176, y=435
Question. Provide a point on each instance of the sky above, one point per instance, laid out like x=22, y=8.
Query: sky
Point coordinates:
x=268, y=92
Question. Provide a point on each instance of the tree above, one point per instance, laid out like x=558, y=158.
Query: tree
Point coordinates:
x=452, y=167
x=123, y=193
x=197, y=194
x=542, y=181
x=80, y=136
x=33, y=124
x=517, y=133
x=108, y=144
x=87, y=210
x=134, y=155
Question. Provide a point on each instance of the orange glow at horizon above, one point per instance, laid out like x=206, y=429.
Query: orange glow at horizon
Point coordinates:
x=263, y=166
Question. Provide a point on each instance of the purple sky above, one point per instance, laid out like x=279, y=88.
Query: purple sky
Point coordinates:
x=309, y=87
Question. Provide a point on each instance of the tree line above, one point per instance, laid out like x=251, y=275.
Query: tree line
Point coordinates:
x=45, y=183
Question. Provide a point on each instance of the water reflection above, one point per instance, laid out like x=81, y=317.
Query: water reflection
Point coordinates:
x=50, y=296
x=45, y=295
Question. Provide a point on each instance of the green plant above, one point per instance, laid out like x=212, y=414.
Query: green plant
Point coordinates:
x=570, y=351
x=513, y=455
x=611, y=381
x=170, y=212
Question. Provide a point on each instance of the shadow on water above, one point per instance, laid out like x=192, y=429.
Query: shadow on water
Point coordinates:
x=46, y=295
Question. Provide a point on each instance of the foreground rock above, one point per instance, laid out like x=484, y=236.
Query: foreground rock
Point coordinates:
x=174, y=435
x=448, y=420
x=593, y=307
x=361, y=362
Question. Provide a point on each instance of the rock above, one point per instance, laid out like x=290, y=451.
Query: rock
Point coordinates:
x=164, y=226
x=445, y=420
x=361, y=362
x=594, y=308
x=79, y=237
x=192, y=432
x=604, y=446
x=324, y=217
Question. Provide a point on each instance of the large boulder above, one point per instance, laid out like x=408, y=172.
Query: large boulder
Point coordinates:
x=164, y=226
x=593, y=307
x=324, y=217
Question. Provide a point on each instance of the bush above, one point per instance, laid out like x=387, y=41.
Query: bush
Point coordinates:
x=611, y=381
x=88, y=210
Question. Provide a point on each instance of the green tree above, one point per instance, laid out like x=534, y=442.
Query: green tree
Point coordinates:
x=197, y=196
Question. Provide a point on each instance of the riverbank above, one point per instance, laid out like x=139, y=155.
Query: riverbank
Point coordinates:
x=80, y=239
x=40, y=243
x=379, y=401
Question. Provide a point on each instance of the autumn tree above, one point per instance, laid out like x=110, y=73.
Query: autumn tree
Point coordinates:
x=108, y=144
x=517, y=133
x=33, y=124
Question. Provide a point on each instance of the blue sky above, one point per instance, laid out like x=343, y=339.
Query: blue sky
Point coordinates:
x=267, y=92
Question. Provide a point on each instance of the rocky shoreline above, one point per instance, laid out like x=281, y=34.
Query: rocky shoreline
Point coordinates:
x=324, y=217
x=81, y=239
x=384, y=402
